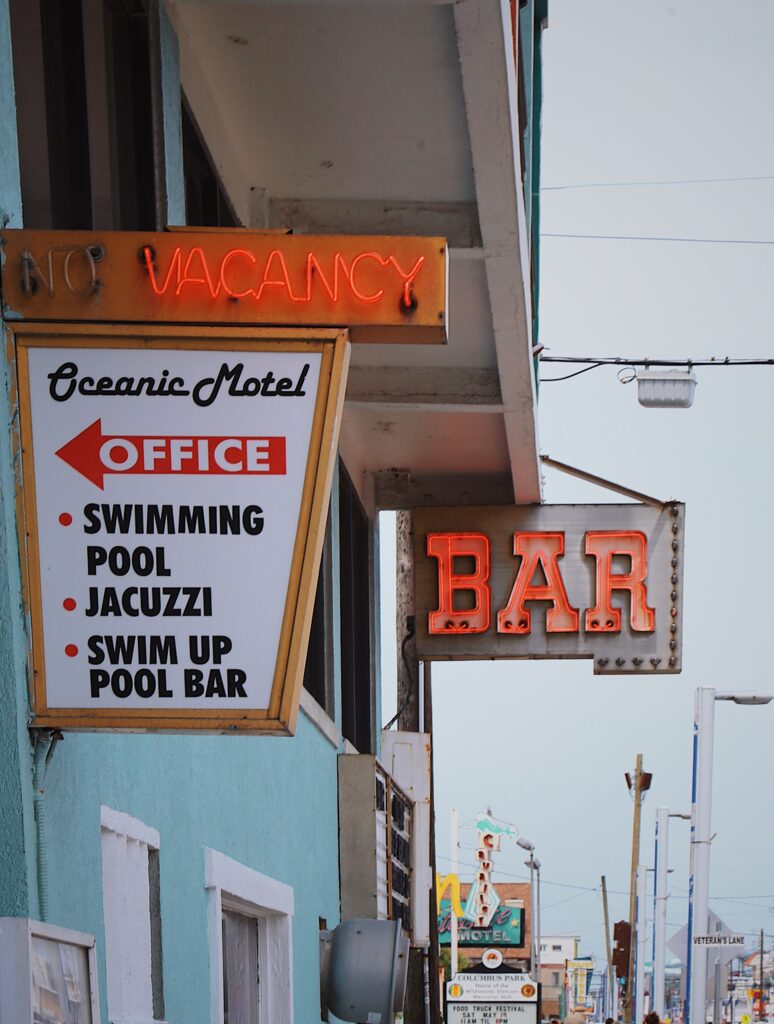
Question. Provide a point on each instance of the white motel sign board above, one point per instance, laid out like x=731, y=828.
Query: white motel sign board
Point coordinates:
x=174, y=498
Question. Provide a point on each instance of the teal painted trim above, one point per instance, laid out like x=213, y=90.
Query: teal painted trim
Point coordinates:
x=336, y=595
x=172, y=120
x=536, y=130
x=18, y=887
x=10, y=180
x=376, y=634
x=526, y=40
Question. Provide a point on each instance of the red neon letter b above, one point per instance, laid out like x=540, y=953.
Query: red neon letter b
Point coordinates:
x=446, y=547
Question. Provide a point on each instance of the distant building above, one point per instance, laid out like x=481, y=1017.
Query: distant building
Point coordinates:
x=555, y=951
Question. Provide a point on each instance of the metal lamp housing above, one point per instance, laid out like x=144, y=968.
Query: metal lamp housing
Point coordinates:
x=666, y=389
x=363, y=970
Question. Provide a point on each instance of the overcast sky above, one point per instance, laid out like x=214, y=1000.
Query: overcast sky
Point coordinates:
x=640, y=92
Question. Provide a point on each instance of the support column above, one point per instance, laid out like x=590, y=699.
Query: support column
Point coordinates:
x=639, y=975
x=408, y=666
x=698, y=887
x=167, y=119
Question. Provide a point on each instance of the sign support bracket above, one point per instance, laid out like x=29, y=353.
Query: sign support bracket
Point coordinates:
x=600, y=481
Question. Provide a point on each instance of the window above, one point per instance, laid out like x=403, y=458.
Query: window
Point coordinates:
x=206, y=203
x=243, y=966
x=249, y=924
x=82, y=72
x=555, y=978
x=556, y=949
x=356, y=690
x=318, y=675
x=132, y=912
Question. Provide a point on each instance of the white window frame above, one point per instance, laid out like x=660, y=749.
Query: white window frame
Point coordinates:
x=234, y=886
x=117, y=969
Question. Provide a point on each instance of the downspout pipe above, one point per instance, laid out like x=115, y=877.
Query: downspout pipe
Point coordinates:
x=44, y=745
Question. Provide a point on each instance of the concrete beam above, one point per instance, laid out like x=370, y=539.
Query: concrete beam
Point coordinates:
x=400, y=489
x=317, y=3
x=424, y=388
x=487, y=60
x=457, y=222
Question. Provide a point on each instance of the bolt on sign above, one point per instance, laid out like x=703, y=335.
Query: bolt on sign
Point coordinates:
x=552, y=581
x=175, y=491
x=383, y=289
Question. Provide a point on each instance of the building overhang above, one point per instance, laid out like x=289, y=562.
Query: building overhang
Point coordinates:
x=391, y=118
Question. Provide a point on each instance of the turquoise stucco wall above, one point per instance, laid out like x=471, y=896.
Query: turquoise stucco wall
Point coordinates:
x=17, y=890
x=10, y=185
x=271, y=804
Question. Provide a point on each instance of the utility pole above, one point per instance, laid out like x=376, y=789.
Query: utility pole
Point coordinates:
x=608, y=951
x=637, y=786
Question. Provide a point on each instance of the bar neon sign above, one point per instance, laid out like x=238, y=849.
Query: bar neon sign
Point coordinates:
x=602, y=582
x=539, y=552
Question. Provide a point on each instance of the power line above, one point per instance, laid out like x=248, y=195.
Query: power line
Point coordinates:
x=644, y=361
x=595, y=888
x=637, y=184
x=661, y=238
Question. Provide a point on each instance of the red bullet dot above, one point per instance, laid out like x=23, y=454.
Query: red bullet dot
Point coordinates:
x=69, y=604
x=71, y=650
x=65, y=519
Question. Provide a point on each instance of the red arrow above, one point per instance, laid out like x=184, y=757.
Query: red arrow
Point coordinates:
x=93, y=454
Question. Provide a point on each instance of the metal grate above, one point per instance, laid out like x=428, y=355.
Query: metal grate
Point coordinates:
x=397, y=843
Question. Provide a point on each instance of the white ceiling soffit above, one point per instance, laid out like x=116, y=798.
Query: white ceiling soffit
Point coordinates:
x=391, y=117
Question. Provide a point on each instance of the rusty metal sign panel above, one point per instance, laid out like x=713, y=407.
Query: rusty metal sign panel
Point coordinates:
x=383, y=289
x=602, y=582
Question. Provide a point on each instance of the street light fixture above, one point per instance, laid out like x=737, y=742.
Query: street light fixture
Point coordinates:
x=747, y=699
x=701, y=837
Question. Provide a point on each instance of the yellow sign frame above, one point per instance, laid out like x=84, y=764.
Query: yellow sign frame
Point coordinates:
x=281, y=715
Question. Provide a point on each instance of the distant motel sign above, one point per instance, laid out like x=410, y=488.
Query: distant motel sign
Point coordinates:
x=552, y=581
x=175, y=475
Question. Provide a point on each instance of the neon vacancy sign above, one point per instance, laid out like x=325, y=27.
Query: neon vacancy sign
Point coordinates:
x=240, y=274
x=382, y=288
